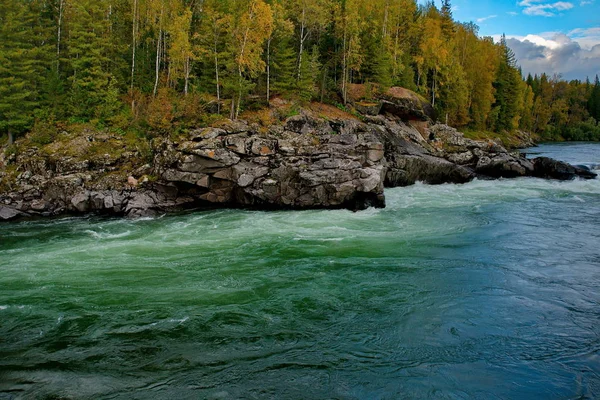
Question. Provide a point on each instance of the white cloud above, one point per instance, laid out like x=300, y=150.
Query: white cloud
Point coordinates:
x=512, y=13
x=544, y=9
x=575, y=55
x=587, y=38
x=586, y=3
x=480, y=20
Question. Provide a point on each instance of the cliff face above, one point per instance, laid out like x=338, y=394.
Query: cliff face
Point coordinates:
x=305, y=162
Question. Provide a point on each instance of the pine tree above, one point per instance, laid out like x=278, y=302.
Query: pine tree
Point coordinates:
x=90, y=46
x=448, y=28
x=507, y=90
x=283, y=66
x=280, y=54
x=22, y=56
x=382, y=69
x=307, y=85
x=594, y=101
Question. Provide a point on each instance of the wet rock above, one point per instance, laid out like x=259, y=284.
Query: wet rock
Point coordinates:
x=141, y=205
x=503, y=166
x=544, y=167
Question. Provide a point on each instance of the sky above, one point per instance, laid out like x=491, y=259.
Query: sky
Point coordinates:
x=556, y=36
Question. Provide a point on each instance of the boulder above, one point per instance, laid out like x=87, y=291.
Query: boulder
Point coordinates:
x=141, y=205
x=397, y=101
x=409, y=169
x=9, y=213
x=548, y=168
x=503, y=165
x=81, y=202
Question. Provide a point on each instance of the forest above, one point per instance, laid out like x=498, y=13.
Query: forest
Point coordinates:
x=154, y=66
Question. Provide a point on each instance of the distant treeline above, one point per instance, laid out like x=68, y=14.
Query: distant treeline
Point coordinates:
x=165, y=64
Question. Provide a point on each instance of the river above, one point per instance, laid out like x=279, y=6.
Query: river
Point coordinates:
x=489, y=290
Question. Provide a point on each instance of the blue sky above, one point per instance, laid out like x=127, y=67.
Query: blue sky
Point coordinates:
x=532, y=17
x=556, y=36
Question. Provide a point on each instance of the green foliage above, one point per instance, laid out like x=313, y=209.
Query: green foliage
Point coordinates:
x=164, y=66
x=593, y=104
x=309, y=73
x=43, y=133
x=90, y=47
x=283, y=66
x=507, y=93
x=22, y=56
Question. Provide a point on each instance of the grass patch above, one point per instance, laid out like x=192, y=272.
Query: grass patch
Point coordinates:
x=508, y=140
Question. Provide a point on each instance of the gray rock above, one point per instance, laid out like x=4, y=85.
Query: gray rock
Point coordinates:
x=307, y=162
x=206, y=133
x=503, y=166
x=140, y=205
x=97, y=201
x=245, y=180
x=81, y=202
x=8, y=213
x=39, y=205
x=544, y=167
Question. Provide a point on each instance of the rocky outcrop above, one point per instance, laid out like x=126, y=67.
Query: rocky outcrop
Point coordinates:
x=304, y=162
x=548, y=168
x=396, y=101
x=406, y=104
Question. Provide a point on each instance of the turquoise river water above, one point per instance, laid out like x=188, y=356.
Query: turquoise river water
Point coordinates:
x=489, y=290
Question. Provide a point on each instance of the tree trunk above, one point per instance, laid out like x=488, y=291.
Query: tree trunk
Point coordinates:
x=187, y=75
x=269, y=69
x=59, y=34
x=239, y=101
x=396, y=38
x=215, y=51
x=302, y=37
x=232, y=112
x=133, y=45
x=323, y=82
x=385, y=19
x=11, y=138
x=158, y=45
x=218, y=84
x=433, y=90
x=344, y=68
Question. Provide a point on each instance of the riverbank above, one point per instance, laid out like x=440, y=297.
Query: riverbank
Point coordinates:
x=319, y=158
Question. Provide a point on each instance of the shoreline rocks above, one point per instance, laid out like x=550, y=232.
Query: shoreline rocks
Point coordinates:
x=304, y=162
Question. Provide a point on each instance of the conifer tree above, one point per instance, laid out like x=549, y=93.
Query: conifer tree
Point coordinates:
x=63, y=59
x=89, y=46
x=23, y=56
x=280, y=54
x=507, y=89
x=594, y=101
